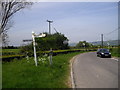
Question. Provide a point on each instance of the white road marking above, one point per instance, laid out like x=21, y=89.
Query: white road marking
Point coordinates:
x=72, y=78
x=114, y=59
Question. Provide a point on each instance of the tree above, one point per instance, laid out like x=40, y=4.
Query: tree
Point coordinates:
x=27, y=50
x=82, y=44
x=7, y=11
x=54, y=41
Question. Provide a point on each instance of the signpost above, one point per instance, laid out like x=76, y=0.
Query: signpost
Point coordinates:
x=84, y=45
x=33, y=37
x=27, y=40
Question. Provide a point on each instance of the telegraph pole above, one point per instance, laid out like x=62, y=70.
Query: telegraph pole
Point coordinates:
x=49, y=25
x=102, y=40
x=50, y=33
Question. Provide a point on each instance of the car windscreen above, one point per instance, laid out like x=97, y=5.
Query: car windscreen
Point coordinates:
x=104, y=50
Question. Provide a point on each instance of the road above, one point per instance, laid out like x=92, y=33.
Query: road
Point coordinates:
x=90, y=71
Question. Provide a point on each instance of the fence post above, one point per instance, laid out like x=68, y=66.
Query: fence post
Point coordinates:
x=51, y=52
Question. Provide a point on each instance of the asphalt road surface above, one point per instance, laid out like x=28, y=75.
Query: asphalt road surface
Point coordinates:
x=90, y=71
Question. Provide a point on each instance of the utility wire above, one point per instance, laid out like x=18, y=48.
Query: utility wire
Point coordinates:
x=112, y=31
x=107, y=39
x=55, y=29
x=106, y=35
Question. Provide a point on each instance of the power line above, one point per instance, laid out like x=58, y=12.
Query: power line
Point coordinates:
x=112, y=31
x=56, y=30
x=106, y=38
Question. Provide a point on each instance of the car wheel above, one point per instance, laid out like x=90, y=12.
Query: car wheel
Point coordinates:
x=101, y=56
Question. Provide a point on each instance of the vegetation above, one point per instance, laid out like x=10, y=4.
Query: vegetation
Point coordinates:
x=11, y=50
x=27, y=50
x=10, y=47
x=83, y=44
x=10, y=54
x=115, y=52
x=7, y=11
x=0, y=74
x=24, y=74
x=56, y=41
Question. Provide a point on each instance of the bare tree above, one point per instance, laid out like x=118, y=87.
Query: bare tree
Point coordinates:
x=7, y=10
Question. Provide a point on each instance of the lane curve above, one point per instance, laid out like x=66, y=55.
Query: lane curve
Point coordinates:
x=90, y=71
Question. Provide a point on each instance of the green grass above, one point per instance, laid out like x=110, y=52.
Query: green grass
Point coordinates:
x=0, y=74
x=24, y=74
x=6, y=52
x=8, y=56
x=115, y=52
x=11, y=50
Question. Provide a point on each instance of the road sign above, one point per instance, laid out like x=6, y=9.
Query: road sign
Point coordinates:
x=28, y=40
x=33, y=37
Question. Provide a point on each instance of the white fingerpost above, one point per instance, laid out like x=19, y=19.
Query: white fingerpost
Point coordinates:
x=84, y=45
x=33, y=37
x=35, y=56
x=108, y=45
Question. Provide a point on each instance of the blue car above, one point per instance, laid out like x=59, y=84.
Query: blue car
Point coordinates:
x=103, y=53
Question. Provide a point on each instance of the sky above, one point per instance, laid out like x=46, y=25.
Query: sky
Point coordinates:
x=76, y=20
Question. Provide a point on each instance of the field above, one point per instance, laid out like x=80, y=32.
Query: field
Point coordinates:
x=24, y=74
x=9, y=54
x=0, y=75
x=11, y=50
x=115, y=52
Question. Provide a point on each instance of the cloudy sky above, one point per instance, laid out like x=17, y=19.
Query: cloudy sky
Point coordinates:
x=76, y=20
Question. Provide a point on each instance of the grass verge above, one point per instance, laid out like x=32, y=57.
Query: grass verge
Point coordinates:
x=115, y=52
x=24, y=74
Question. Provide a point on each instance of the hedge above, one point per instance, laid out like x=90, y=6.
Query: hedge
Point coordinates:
x=55, y=52
x=10, y=57
x=40, y=53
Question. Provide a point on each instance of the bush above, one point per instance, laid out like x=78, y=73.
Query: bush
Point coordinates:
x=27, y=50
x=11, y=57
x=24, y=53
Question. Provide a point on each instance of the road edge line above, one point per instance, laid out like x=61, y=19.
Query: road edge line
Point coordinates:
x=71, y=73
x=72, y=79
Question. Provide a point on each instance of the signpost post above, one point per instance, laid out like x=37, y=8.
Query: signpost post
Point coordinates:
x=84, y=46
x=35, y=56
x=33, y=37
x=108, y=45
